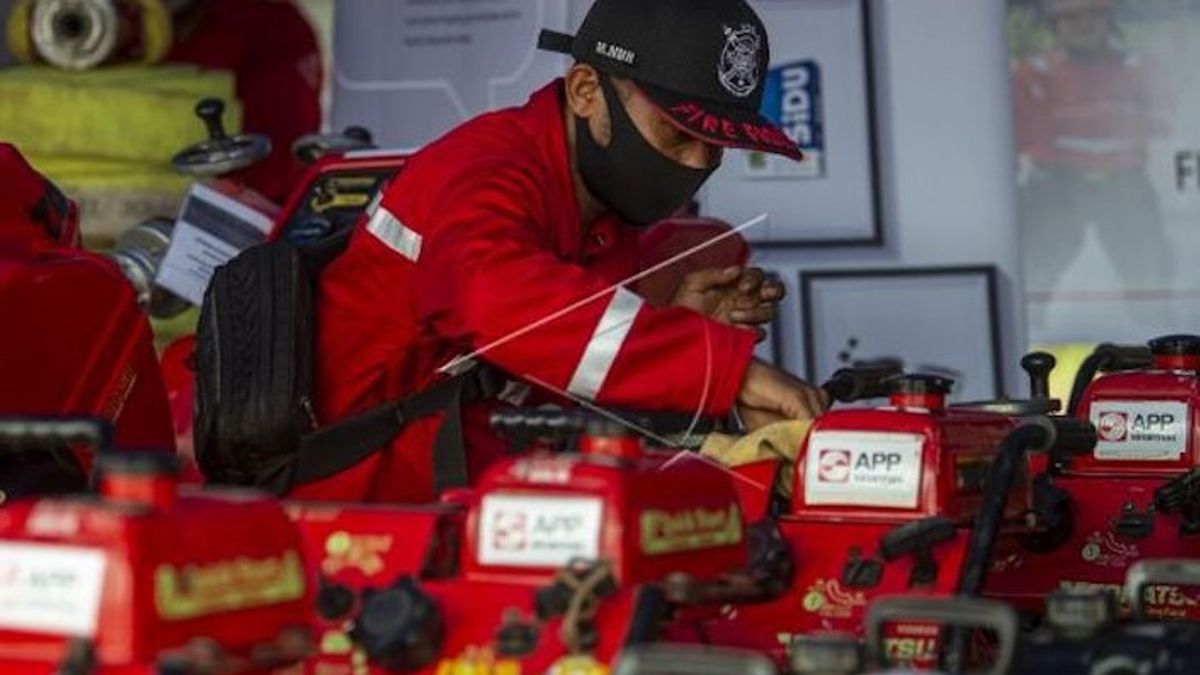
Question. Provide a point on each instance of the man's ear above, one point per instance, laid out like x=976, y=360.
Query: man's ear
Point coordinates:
x=584, y=96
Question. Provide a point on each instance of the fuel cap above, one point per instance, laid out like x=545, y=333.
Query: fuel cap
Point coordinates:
x=921, y=391
x=1176, y=352
x=604, y=436
x=145, y=478
x=1079, y=615
x=826, y=654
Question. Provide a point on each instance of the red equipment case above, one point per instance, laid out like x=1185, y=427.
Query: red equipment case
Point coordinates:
x=146, y=577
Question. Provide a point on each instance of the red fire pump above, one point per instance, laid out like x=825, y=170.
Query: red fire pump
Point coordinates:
x=884, y=501
x=143, y=577
x=552, y=561
x=917, y=637
x=1137, y=495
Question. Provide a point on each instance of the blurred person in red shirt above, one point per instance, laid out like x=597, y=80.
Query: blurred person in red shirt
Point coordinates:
x=1085, y=112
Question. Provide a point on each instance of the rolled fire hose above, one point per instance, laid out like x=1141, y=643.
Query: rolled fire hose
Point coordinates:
x=84, y=34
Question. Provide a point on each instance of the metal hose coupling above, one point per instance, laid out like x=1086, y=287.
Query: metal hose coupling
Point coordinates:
x=84, y=34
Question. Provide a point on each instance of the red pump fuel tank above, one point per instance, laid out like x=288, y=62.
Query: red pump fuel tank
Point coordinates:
x=144, y=575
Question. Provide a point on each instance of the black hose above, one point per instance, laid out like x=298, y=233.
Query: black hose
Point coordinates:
x=1106, y=357
x=995, y=497
x=1087, y=372
x=1065, y=435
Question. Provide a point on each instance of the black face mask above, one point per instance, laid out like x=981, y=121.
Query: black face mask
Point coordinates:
x=630, y=176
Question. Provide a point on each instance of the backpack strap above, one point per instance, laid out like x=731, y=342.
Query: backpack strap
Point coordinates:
x=338, y=447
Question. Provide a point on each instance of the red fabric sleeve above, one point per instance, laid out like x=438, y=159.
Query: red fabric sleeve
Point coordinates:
x=279, y=84
x=485, y=272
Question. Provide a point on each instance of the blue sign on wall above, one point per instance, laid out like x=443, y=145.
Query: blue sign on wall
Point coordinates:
x=792, y=99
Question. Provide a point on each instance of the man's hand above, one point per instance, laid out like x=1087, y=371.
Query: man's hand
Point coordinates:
x=734, y=295
x=770, y=395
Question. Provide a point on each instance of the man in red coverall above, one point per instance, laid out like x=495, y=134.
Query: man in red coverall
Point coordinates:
x=272, y=50
x=1084, y=114
x=520, y=214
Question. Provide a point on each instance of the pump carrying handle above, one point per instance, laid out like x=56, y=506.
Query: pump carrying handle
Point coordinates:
x=850, y=385
x=23, y=434
x=948, y=612
x=847, y=385
x=1144, y=573
x=667, y=658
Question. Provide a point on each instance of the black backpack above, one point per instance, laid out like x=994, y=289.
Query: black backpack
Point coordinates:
x=254, y=416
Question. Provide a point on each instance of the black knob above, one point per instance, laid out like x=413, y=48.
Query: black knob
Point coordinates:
x=516, y=638
x=400, y=627
x=1176, y=345
x=1039, y=365
x=358, y=133
x=210, y=111
x=551, y=601
x=923, y=384
x=334, y=602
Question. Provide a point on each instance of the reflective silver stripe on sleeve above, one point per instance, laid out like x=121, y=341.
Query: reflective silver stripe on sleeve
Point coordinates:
x=375, y=201
x=605, y=344
x=388, y=229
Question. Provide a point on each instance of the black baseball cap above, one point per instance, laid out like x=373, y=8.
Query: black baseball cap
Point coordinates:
x=703, y=63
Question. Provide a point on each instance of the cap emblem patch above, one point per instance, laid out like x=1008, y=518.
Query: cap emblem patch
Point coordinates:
x=738, y=67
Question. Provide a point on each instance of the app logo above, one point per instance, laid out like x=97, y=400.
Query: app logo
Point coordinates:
x=833, y=466
x=1113, y=427
x=509, y=531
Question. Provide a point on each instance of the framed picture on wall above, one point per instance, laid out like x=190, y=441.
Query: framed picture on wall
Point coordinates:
x=943, y=321
x=820, y=89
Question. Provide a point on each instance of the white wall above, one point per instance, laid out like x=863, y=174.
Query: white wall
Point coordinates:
x=946, y=158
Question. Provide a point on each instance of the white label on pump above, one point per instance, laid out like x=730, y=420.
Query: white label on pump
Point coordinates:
x=845, y=468
x=534, y=531
x=211, y=229
x=1141, y=431
x=50, y=589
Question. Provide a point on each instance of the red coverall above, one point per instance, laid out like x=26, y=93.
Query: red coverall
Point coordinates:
x=479, y=236
x=271, y=48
